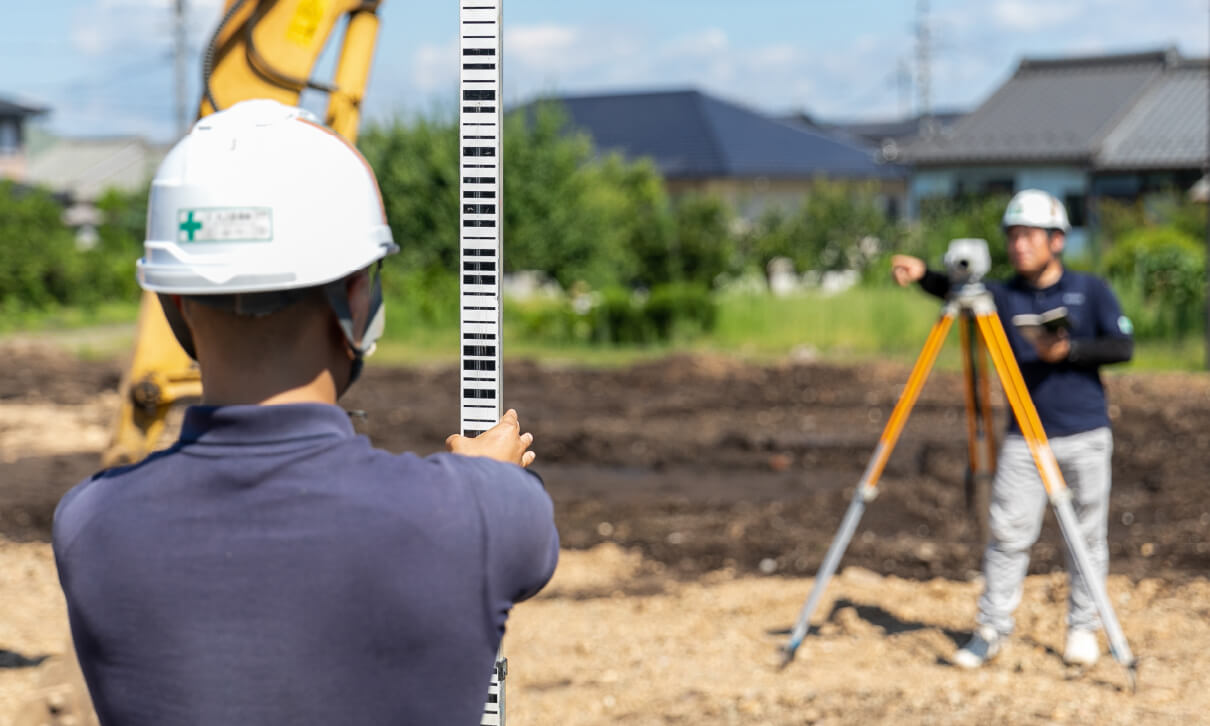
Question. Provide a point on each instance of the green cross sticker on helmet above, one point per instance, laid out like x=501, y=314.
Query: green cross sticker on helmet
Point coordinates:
x=250, y=224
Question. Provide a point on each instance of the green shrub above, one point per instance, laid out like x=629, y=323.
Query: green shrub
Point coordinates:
x=42, y=267
x=681, y=310
x=615, y=315
x=1159, y=273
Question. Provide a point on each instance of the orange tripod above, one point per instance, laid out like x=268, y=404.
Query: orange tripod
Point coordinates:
x=974, y=303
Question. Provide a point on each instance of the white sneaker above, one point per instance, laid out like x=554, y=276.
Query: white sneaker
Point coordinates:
x=1082, y=648
x=983, y=646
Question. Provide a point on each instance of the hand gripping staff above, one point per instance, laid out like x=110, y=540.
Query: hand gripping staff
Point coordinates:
x=974, y=303
x=481, y=247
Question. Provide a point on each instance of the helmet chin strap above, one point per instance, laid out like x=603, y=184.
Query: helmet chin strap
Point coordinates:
x=336, y=294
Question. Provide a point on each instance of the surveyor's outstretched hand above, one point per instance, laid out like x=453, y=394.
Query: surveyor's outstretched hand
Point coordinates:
x=907, y=269
x=502, y=442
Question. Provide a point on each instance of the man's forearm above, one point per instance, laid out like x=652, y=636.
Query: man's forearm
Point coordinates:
x=935, y=284
x=1101, y=351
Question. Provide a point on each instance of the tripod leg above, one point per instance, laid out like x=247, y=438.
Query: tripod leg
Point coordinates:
x=867, y=487
x=985, y=403
x=979, y=470
x=1052, y=479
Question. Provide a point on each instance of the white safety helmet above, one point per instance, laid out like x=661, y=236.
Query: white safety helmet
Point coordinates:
x=258, y=203
x=1035, y=208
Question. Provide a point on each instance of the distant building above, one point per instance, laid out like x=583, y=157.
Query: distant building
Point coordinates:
x=13, y=116
x=703, y=144
x=1083, y=128
x=76, y=171
x=886, y=136
x=79, y=170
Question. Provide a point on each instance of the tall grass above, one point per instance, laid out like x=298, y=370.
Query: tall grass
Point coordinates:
x=863, y=323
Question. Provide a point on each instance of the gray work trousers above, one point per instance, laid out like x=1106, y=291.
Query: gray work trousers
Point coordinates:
x=1018, y=504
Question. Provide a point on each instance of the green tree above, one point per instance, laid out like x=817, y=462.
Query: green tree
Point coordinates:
x=41, y=265
x=111, y=262
x=704, y=248
x=577, y=215
x=943, y=220
x=839, y=226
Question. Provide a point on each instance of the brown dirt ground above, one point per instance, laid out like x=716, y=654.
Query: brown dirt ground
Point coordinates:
x=695, y=497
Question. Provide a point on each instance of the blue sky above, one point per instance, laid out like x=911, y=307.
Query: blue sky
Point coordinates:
x=104, y=66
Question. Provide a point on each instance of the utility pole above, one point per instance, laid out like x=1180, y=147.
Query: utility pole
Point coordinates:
x=1206, y=177
x=903, y=81
x=182, y=105
x=924, y=74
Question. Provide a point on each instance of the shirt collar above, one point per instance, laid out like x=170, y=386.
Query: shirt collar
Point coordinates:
x=252, y=424
x=1024, y=284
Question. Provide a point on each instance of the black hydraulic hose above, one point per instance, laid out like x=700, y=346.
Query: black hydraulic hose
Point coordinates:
x=263, y=67
x=212, y=49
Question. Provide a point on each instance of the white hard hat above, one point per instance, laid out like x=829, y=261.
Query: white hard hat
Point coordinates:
x=257, y=204
x=258, y=198
x=1035, y=208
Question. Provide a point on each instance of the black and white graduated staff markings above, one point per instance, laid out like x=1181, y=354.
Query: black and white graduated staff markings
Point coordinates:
x=480, y=218
x=481, y=242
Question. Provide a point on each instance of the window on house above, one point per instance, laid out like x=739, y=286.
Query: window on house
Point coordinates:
x=10, y=137
x=994, y=187
x=1076, y=209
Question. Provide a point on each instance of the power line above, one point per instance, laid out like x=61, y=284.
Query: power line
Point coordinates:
x=182, y=105
x=924, y=73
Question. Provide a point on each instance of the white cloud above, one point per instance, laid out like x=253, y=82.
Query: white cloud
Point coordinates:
x=107, y=26
x=706, y=42
x=435, y=67
x=545, y=45
x=1034, y=15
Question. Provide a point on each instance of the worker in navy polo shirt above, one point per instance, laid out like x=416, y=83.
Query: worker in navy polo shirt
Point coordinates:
x=271, y=566
x=1061, y=371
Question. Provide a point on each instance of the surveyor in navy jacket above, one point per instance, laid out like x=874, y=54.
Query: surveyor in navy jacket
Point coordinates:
x=1061, y=371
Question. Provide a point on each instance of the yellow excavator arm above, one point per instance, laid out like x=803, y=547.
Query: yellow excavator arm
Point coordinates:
x=260, y=49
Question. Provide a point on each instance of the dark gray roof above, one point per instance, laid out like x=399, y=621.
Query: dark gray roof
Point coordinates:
x=1050, y=110
x=689, y=134
x=9, y=107
x=876, y=132
x=1166, y=128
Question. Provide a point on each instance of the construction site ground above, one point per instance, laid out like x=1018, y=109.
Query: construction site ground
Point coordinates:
x=695, y=497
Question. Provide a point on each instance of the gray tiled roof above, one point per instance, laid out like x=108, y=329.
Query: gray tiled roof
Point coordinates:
x=86, y=167
x=1050, y=110
x=1164, y=129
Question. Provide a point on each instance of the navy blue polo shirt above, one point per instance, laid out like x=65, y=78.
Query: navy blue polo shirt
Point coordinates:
x=1070, y=397
x=272, y=567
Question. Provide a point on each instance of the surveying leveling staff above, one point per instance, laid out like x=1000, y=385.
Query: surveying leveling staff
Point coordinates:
x=1061, y=373
x=271, y=567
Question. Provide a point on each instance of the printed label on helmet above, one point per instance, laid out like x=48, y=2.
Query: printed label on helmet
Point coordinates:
x=1125, y=325
x=225, y=224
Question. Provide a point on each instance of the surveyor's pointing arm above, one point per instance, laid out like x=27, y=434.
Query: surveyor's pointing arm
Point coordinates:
x=906, y=269
x=935, y=284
